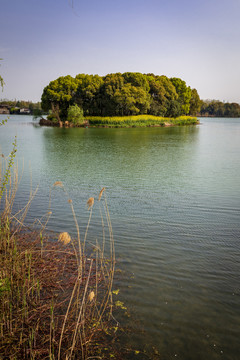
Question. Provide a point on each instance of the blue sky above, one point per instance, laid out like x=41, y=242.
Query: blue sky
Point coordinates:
x=197, y=41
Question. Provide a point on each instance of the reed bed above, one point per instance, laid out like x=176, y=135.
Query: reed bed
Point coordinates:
x=140, y=121
x=55, y=292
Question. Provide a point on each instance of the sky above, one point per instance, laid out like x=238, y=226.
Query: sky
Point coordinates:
x=196, y=40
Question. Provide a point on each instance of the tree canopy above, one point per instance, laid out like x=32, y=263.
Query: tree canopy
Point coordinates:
x=219, y=109
x=130, y=93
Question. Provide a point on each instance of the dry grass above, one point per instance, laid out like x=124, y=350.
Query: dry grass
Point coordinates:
x=58, y=183
x=55, y=297
x=65, y=238
x=100, y=194
x=90, y=203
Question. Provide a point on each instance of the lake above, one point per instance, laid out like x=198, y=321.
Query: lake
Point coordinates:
x=174, y=200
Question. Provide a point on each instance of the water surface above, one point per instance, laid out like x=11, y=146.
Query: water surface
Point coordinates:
x=174, y=199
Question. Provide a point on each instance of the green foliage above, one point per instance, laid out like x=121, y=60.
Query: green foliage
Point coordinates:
x=52, y=118
x=174, y=108
x=37, y=113
x=113, y=83
x=137, y=80
x=162, y=93
x=116, y=292
x=184, y=95
x=4, y=285
x=88, y=93
x=139, y=121
x=16, y=105
x=118, y=94
x=219, y=109
x=58, y=95
x=75, y=115
x=14, y=110
x=120, y=304
x=195, y=103
x=131, y=100
x=2, y=122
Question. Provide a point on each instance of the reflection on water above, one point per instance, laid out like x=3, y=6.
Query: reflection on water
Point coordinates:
x=174, y=199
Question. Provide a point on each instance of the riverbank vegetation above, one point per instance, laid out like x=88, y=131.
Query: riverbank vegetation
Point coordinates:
x=122, y=121
x=121, y=95
x=56, y=297
x=139, y=121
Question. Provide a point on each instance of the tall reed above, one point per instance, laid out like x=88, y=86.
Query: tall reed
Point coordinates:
x=55, y=296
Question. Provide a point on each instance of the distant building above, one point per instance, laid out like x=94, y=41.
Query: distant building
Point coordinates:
x=24, y=111
x=4, y=109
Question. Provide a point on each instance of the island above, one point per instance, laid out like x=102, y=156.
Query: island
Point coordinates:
x=131, y=99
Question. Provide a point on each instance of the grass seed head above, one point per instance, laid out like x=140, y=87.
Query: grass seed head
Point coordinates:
x=91, y=296
x=100, y=194
x=58, y=183
x=65, y=238
x=90, y=202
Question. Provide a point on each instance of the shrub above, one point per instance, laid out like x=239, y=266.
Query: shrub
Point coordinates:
x=52, y=118
x=75, y=115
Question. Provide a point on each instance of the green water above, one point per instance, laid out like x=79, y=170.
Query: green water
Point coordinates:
x=174, y=200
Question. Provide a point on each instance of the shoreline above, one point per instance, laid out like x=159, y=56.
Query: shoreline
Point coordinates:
x=125, y=122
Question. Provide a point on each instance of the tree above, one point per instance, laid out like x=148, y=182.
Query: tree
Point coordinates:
x=88, y=93
x=58, y=95
x=195, y=103
x=219, y=109
x=75, y=115
x=184, y=94
x=109, y=102
x=130, y=93
x=232, y=110
x=137, y=79
x=162, y=91
x=174, y=109
x=131, y=100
